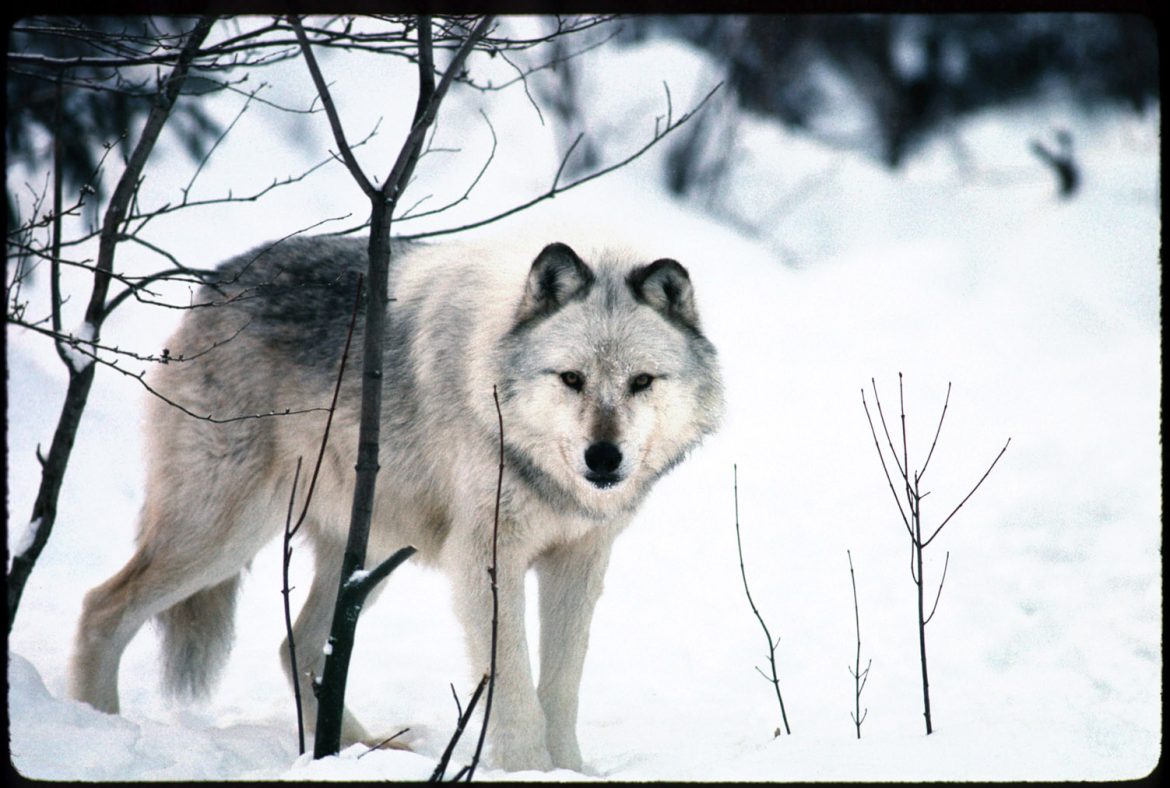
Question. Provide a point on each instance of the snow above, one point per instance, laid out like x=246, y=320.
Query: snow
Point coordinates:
x=78, y=360
x=24, y=540
x=1045, y=653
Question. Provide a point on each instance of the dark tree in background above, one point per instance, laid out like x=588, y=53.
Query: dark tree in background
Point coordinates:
x=914, y=72
x=87, y=113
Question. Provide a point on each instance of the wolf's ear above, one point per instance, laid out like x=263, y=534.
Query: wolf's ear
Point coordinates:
x=557, y=277
x=666, y=286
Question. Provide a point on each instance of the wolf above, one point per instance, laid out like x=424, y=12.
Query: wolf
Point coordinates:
x=605, y=381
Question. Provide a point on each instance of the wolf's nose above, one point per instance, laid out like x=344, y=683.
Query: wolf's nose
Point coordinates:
x=603, y=458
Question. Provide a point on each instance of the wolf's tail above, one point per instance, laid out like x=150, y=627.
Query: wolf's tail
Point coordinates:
x=197, y=637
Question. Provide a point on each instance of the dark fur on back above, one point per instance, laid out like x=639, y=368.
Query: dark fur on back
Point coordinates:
x=299, y=293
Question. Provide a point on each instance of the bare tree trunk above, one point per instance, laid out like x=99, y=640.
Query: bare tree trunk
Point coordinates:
x=355, y=584
x=53, y=468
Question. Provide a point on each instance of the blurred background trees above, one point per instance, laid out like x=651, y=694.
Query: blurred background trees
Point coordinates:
x=884, y=83
x=913, y=73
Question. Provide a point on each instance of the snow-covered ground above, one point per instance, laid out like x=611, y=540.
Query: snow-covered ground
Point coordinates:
x=826, y=270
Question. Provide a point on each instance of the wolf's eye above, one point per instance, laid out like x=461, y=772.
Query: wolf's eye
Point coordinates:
x=641, y=382
x=573, y=380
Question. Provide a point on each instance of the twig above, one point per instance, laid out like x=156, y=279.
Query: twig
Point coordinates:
x=905, y=452
x=383, y=743
x=141, y=378
x=186, y=190
x=882, y=457
x=288, y=624
x=885, y=429
x=467, y=192
x=943, y=579
x=492, y=572
x=774, y=679
x=937, y=431
x=55, y=250
x=460, y=725
x=860, y=677
x=968, y=496
x=555, y=190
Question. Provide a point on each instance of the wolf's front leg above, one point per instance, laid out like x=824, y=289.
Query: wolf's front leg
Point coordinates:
x=516, y=727
x=571, y=578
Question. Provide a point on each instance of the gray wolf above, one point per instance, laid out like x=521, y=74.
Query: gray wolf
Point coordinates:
x=605, y=382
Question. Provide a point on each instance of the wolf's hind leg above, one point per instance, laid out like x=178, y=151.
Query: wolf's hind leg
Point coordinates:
x=189, y=558
x=114, y=611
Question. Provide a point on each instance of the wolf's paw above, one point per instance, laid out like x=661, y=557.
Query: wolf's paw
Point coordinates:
x=562, y=745
x=515, y=756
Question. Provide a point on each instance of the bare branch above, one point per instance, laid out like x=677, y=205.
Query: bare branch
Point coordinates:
x=934, y=442
x=62, y=339
x=467, y=193
x=905, y=452
x=881, y=414
x=882, y=457
x=430, y=97
x=211, y=417
x=364, y=582
x=565, y=159
x=493, y=572
x=554, y=191
x=382, y=202
x=554, y=61
x=859, y=676
x=222, y=136
x=286, y=557
x=938, y=594
x=331, y=110
x=522, y=76
x=460, y=725
x=384, y=742
x=55, y=250
x=976, y=487
x=775, y=678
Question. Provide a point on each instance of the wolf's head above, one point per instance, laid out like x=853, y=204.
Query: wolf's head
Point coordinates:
x=608, y=379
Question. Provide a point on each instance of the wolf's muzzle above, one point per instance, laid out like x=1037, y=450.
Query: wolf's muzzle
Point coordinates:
x=603, y=459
